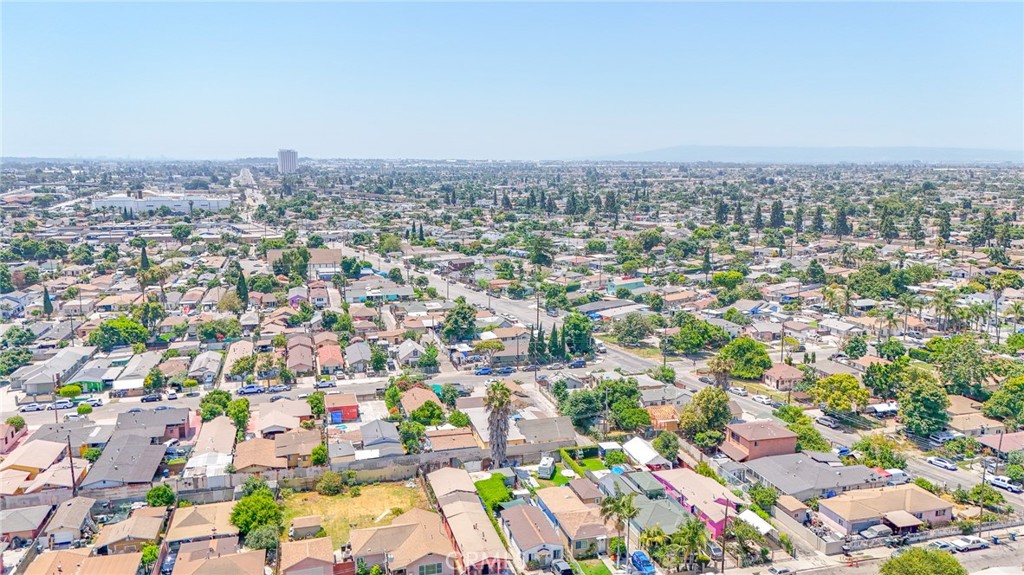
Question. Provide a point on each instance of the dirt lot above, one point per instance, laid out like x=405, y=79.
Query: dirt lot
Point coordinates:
x=342, y=513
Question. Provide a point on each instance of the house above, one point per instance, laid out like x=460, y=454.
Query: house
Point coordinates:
x=585, y=532
x=79, y=562
x=39, y=378
x=215, y=436
x=24, y=523
x=415, y=397
x=904, y=508
x=478, y=547
x=357, y=356
x=13, y=304
x=330, y=359
x=202, y=523
x=702, y=497
x=205, y=367
x=34, y=457
x=305, y=526
x=341, y=407
x=641, y=453
x=342, y=451
x=237, y=350
x=782, y=377
x=307, y=557
x=131, y=535
x=382, y=436
x=415, y=543
x=810, y=474
x=764, y=331
x=666, y=514
x=219, y=556
x=9, y=436
x=173, y=423
x=300, y=359
x=128, y=459
x=296, y=446
x=531, y=536
x=71, y=521
x=754, y=439
x=586, y=491
x=733, y=329
x=257, y=455
x=409, y=352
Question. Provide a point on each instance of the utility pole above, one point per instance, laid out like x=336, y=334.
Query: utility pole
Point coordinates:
x=725, y=525
x=71, y=462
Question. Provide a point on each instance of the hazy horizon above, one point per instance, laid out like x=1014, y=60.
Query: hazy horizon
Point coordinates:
x=507, y=81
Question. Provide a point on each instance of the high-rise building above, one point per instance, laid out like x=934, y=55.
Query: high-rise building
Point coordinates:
x=287, y=161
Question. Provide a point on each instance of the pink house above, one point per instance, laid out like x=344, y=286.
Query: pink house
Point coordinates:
x=703, y=497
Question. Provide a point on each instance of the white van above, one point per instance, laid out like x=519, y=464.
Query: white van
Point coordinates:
x=897, y=477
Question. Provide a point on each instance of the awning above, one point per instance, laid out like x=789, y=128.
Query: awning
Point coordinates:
x=901, y=519
x=762, y=526
x=733, y=451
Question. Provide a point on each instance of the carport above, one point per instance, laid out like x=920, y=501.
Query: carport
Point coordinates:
x=902, y=521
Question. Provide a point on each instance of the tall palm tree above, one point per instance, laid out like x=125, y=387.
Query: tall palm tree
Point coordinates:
x=944, y=304
x=998, y=285
x=620, y=509
x=907, y=303
x=692, y=536
x=720, y=367
x=498, y=402
x=653, y=538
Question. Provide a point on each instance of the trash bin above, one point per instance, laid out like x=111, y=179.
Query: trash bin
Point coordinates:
x=995, y=540
x=1013, y=535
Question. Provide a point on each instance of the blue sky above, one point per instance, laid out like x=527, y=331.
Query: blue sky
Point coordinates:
x=506, y=81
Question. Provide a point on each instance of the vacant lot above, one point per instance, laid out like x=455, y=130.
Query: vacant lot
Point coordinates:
x=342, y=513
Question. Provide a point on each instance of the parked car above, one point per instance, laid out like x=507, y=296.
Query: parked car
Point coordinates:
x=738, y=391
x=29, y=407
x=135, y=410
x=559, y=567
x=507, y=370
x=93, y=401
x=943, y=463
x=941, y=546
x=577, y=363
x=600, y=347
x=706, y=379
x=279, y=388
x=324, y=384
x=150, y=397
x=162, y=408
x=714, y=550
x=171, y=395
x=779, y=570
x=1004, y=482
x=531, y=367
x=556, y=366
x=642, y=563
x=61, y=404
x=968, y=543
x=277, y=398
x=73, y=417
x=250, y=389
x=483, y=371
x=762, y=399
x=827, y=421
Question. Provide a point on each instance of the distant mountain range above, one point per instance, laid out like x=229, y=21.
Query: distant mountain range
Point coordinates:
x=810, y=155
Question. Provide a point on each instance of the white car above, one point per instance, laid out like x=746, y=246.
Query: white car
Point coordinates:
x=762, y=399
x=32, y=407
x=941, y=546
x=93, y=401
x=943, y=463
x=969, y=543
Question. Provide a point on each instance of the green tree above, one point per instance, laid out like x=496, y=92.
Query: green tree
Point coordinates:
x=242, y=289
x=458, y=419
x=428, y=360
x=632, y=329
x=460, y=321
x=727, y=280
x=238, y=411
x=252, y=484
x=411, y=434
x=181, y=232
x=1007, y=403
x=255, y=511
x=92, y=454
x=150, y=553
x=963, y=366
x=763, y=496
x=119, y=331
x=316, y=403
x=749, y=358
x=429, y=413
x=923, y=404
x=922, y=561
x=449, y=395
x=576, y=331
x=47, y=303
x=707, y=411
x=840, y=392
x=319, y=455
x=378, y=359
x=263, y=537
x=498, y=402
x=856, y=347
x=16, y=421
x=160, y=496
x=667, y=445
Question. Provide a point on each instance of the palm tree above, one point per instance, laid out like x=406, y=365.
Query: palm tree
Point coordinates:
x=944, y=304
x=620, y=509
x=998, y=285
x=907, y=303
x=673, y=556
x=652, y=539
x=1016, y=313
x=720, y=368
x=498, y=402
x=692, y=536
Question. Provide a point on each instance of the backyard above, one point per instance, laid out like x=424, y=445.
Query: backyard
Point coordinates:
x=374, y=507
x=590, y=463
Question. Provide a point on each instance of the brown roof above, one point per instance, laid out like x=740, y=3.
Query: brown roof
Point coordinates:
x=340, y=400
x=412, y=535
x=136, y=528
x=448, y=439
x=295, y=552
x=209, y=558
x=870, y=503
x=307, y=521
x=529, y=527
x=200, y=521
x=258, y=452
x=79, y=562
x=296, y=442
x=784, y=371
x=415, y=397
x=662, y=412
x=759, y=430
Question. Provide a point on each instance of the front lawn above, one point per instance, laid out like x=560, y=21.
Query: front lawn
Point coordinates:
x=594, y=567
